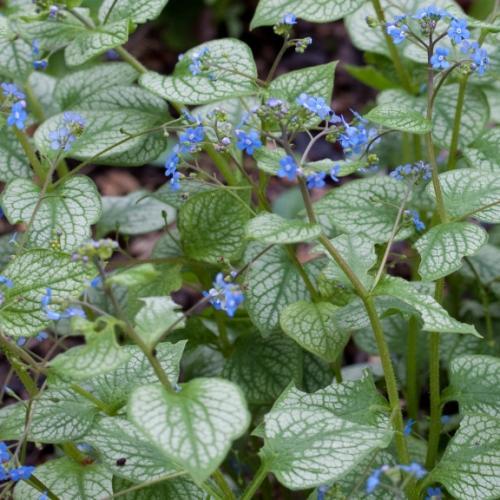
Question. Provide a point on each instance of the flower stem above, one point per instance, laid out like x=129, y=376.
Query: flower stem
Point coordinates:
x=129, y=58
x=257, y=480
x=412, y=385
x=30, y=153
x=452, y=159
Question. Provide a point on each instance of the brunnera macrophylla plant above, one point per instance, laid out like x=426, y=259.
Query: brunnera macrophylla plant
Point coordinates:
x=248, y=391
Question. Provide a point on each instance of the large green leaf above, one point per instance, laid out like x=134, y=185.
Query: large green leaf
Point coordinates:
x=445, y=245
x=474, y=384
x=139, y=11
x=272, y=282
x=400, y=118
x=358, y=251
x=156, y=316
x=484, y=152
x=368, y=206
x=135, y=213
x=271, y=228
x=313, y=326
x=100, y=354
x=434, y=317
x=311, y=439
x=263, y=368
x=232, y=74
x=105, y=130
x=468, y=190
x=21, y=313
x=194, y=427
x=81, y=85
x=124, y=451
x=115, y=387
x=64, y=215
x=56, y=416
x=13, y=162
x=68, y=480
x=470, y=467
x=222, y=233
x=270, y=12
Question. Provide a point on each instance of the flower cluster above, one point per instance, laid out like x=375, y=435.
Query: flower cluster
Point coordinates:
x=374, y=479
x=15, y=103
x=225, y=295
x=317, y=106
x=415, y=218
x=418, y=172
x=355, y=136
x=52, y=315
x=100, y=250
x=457, y=31
x=63, y=138
x=23, y=472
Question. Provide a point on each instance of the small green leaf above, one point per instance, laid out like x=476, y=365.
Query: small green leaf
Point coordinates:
x=68, y=479
x=474, y=384
x=400, y=118
x=263, y=368
x=273, y=229
x=63, y=217
x=434, y=317
x=312, y=439
x=135, y=213
x=156, y=317
x=116, y=438
x=56, y=416
x=100, y=354
x=444, y=246
x=367, y=206
x=270, y=12
x=115, y=387
x=222, y=233
x=272, y=282
x=213, y=411
x=484, y=152
x=21, y=313
x=468, y=190
x=140, y=11
x=470, y=466
x=313, y=326
x=232, y=74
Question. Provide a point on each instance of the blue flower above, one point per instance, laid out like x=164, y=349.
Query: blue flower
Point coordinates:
x=4, y=453
x=458, y=30
x=434, y=494
x=6, y=281
x=419, y=225
x=316, y=105
x=40, y=65
x=35, y=47
x=53, y=11
x=248, y=142
x=72, y=312
x=438, y=60
x=432, y=12
x=42, y=336
x=196, y=58
x=3, y=474
x=61, y=139
x=481, y=60
x=420, y=171
x=11, y=90
x=353, y=138
x=334, y=172
x=288, y=168
x=96, y=282
x=316, y=181
x=398, y=34
x=373, y=480
x=408, y=427
x=43, y=496
x=175, y=184
x=289, y=19
x=21, y=341
x=23, y=472
x=73, y=119
x=191, y=137
x=415, y=469
x=18, y=115
x=322, y=491
x=468, y=47
x=225, y=296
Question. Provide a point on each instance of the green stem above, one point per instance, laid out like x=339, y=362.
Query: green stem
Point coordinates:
x=402, y=72
x=257, y=480
x=41, y=487
x=337, y=369
x=34, y=103
x=434, y=389
x=457, y=123
x=222, y=165
x=222, y=484
x=129, y=58
x=70, y=450
x=97, y=402
x=412, y=385
x=21, y=372
x=30, y=153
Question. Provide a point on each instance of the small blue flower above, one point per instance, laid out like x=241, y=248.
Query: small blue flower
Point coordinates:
x=197, y=57
x=225, y=296
x=42, y=336
x=373, y=480
x=6, y=281
x=248, y=142
x=35, y=47
x=316, y=105
x=73, y=119
x=397, y=33
x=23, y=472
x=289, y=19
x=175, y=184
x=316, y=181
x=11, y=90
x=419, y=225
x=334, y=172
x=322, y=491
x=40, y=65
x=481, y=60
x=47, y=298
x=434, y=494
x=61, y=139
x=408, y=427
x=96, y=282
x=53, y=11
x=438, y=60
x=458, y=30
x=21, y=341
x=353, y=138
x=432, y=12
x=4, y=453
x=420, y=171
x=18, y=115
x=73, y=311
x=4, y=476
x=288, y=168
x=191, y=137
x=43, y=496
x=415, y=469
